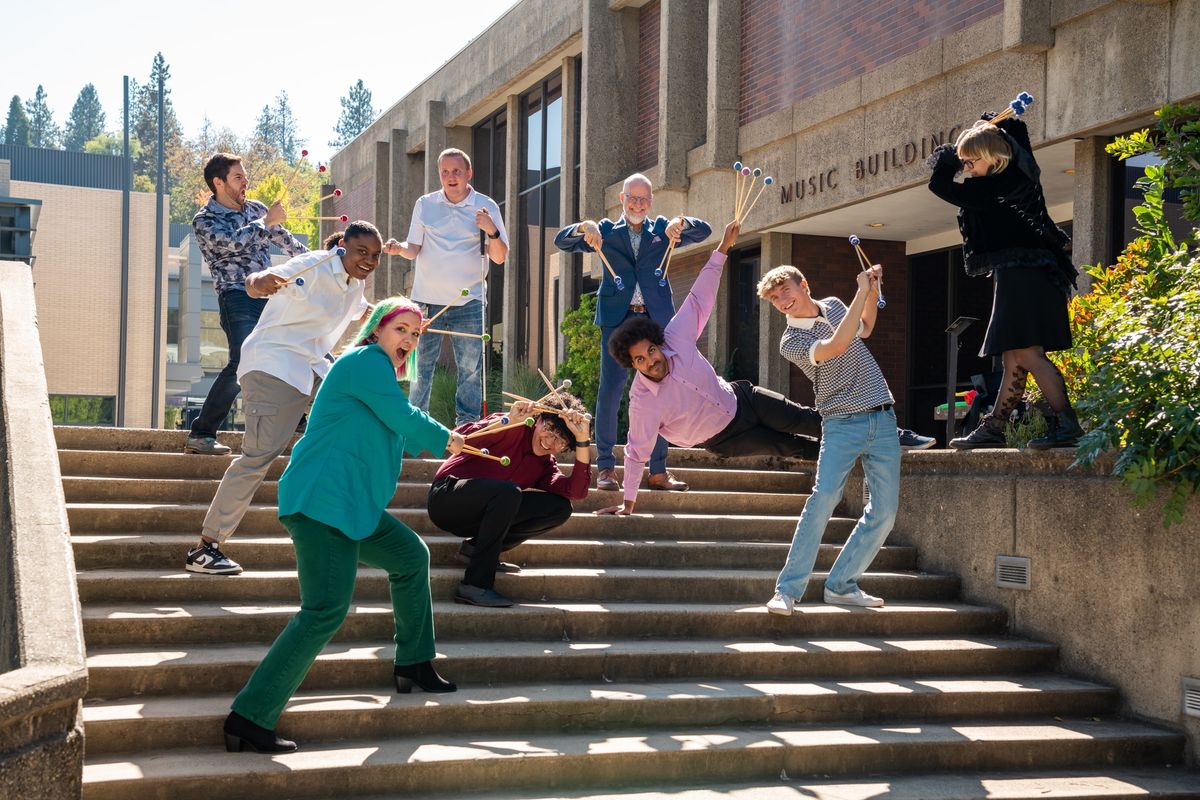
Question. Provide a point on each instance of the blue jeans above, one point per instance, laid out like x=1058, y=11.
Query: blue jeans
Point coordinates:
x=239, y=315
x=608, y=402
x=870, y=436
x=468, y=359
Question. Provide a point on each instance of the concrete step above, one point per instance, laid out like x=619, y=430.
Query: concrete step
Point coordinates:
x=141, y=624
x=144, y=464
x=164, y=441
x=166, y=551
x=130, y=725
x=579, y=584
x=415, y=495
x=720, y=752
x=220, y=668
x=1105, y=783
x=263, y=520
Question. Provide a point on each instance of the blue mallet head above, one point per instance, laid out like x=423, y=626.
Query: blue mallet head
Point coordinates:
x=620, y=283
x=485, y=451
x=299, y=281
x=855, y=241
x=658, y=272
x=340, y=251
x=768, y=180
x=737, y=166
x=881, y=304
x=1026, y=98
x=504, y=420
x=1018, y=107
x=662, y=281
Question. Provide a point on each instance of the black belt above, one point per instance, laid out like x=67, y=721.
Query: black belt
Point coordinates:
x=883, y=407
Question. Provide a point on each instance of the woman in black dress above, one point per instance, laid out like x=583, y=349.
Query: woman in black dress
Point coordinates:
x=991, y=175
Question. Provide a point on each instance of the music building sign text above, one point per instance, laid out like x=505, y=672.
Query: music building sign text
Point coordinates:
x=867, y=167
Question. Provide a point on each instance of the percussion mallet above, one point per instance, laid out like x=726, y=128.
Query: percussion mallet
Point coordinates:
x=737, y=199
x=767, y=181
x=461, y=293
x=620, y=284
x=566, y=384
x=342, y=218
x=484, y=453
x=553, y=391
x=334, y=193
x=737, y=182
x=527, y=423
x=335, y=252
x=1016, y=108
x=865, y=262
x=481, y=336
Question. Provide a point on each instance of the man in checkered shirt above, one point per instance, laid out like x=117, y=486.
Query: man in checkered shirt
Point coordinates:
x=824, y=339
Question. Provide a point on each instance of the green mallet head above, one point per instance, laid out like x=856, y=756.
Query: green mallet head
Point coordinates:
x=463, y=292
x=505, y=461
x=486, y=337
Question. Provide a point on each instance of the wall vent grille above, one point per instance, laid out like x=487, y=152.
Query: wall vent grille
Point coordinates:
x=1191, y=697
x=1012, y=572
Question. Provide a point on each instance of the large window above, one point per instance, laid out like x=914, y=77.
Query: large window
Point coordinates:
x=538, y=215
x=489, y=143
x=73, y=409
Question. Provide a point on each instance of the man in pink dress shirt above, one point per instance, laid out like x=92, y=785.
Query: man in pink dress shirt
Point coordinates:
x=679, y=395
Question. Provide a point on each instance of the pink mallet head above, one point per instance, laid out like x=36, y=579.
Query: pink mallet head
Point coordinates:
x=337, y=192
x=745, y=170
x=343, y=218
x=303, y=153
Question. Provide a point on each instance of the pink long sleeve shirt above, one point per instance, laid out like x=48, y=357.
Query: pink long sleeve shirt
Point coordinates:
x=692, y=403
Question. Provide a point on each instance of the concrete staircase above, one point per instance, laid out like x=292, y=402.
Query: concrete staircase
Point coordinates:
x=640, y=655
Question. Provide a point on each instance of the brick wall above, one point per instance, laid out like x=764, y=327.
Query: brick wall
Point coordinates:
x=683, y=272
x=358, y=202
x=829, y=264
x=791, y=49
x=647, y=96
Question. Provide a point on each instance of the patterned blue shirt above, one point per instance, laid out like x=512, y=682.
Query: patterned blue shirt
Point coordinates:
x=236, y=243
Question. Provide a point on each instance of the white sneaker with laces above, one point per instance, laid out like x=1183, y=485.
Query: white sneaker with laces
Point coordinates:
x=856, y=598
x=781, y=604
x=208, y=559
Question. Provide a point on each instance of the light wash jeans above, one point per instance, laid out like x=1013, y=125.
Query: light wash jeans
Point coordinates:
x=870, y=436
x=468, y=359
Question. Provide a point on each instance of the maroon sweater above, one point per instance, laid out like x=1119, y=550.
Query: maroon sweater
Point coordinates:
x=527, y=470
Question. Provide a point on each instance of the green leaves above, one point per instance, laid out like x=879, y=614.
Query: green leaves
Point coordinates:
x=582, y=364
x=1135, y=368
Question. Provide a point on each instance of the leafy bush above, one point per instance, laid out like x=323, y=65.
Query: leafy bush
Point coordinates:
x=1135, y=368
x=582, y=364
x=1028, y=426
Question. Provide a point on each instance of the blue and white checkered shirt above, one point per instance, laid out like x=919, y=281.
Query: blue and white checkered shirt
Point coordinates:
x=845, y=384
x=236, y=243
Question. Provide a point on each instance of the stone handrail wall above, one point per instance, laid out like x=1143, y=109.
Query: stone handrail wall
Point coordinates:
x=1118, y=593
x=43, y=675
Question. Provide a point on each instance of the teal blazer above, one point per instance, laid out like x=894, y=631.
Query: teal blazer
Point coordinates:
x=343, y=470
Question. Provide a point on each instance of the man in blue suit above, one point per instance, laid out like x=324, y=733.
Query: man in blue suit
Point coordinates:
x=634, y=245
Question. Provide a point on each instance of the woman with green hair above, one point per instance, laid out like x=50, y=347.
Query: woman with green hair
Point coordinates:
x=333, y=500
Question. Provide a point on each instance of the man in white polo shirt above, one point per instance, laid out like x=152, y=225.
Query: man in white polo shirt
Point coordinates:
x=443, y=239
x=313, y=298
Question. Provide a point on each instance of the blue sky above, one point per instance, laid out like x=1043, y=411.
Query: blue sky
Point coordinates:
x=228, y=59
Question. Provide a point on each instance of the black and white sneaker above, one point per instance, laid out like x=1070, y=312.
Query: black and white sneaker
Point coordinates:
x=209, y=560
x=911, y=440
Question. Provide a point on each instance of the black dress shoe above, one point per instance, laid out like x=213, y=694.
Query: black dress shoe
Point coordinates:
x=475, y=596
x=506, y=567
x=241, y=732
x=422, y=675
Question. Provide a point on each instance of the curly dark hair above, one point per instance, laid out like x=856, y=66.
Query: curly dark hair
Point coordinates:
x=555, y=422
x=629, y=333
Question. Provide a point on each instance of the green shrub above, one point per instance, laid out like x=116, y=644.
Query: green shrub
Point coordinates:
x=1134, y=370
x=582, y=363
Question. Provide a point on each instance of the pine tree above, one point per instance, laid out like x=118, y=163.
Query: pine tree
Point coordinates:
x=42, y=130
x=264, y=127
x=357, y=114
x=145, y=119
x=86, y=120
x=286, y=129
x=16, y=126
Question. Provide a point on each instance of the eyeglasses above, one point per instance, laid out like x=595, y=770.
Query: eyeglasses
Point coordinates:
x=968, y=163
x=640, y=200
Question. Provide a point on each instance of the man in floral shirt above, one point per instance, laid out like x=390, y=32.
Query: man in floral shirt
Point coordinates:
x=234, y=235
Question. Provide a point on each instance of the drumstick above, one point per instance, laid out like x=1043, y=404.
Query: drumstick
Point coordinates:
x=865, y=262
x=527, y=422
x=482, y=336
x=767, y=181
x=461, y=293
x=334, y=193
x=616, y=278
x=342, y=218
x=566, y=384
x=553, y=391
x=296, y=279
x=483, y=453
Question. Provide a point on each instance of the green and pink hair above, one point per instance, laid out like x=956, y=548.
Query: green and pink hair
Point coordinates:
x=385, y=310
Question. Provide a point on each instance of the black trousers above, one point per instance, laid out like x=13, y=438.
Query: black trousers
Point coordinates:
x=493, y=516
x=767, y=424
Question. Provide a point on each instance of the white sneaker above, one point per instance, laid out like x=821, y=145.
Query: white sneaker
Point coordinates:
x=781, y=604
x=856, y=598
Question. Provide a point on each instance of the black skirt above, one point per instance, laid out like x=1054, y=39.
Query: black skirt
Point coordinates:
x=1028, y=310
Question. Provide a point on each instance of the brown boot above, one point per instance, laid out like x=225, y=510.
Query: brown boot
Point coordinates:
x=606, y=481
x=665, y=482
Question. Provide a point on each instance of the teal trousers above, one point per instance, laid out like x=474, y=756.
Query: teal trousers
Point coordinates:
x=327, y=561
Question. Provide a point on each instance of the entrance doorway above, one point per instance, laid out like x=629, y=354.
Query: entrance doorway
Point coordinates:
x=742, y=272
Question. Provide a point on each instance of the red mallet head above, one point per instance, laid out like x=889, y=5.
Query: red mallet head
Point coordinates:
x=337, y=192
x=343, y=218
x=322, y=168
x=303, y=153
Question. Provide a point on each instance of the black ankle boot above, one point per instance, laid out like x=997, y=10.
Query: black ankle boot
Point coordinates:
x=241, y=732
x=1061, y=432
x=422, y=675
x=990, y=433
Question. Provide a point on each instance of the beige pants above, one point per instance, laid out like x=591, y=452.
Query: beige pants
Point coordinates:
x=273, y=409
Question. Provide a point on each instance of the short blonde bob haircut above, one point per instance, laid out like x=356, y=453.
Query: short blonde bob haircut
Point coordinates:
x=984, y=141
x=776, y=277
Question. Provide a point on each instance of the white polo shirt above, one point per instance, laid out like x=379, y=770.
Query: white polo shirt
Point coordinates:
x=449, y=260
x=300, y=324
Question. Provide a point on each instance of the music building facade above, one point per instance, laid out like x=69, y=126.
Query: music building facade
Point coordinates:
x=839, y=101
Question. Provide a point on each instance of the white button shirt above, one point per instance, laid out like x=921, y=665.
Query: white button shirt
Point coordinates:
x=300, y=324
x=449, y=260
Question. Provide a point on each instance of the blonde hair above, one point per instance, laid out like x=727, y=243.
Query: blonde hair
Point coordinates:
x=776, y=277
x=984, y=141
